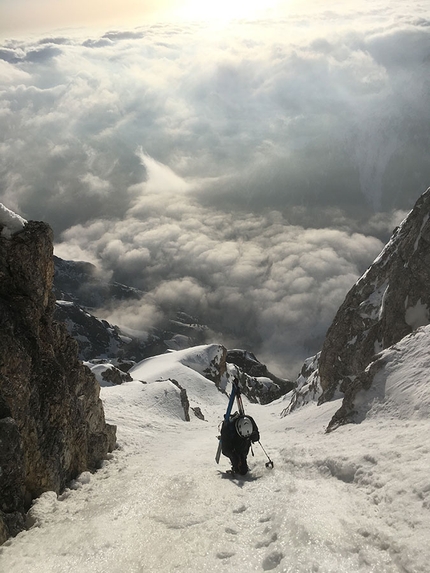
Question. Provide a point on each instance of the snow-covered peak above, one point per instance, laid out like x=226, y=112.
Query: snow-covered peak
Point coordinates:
x=198, y=371
x=11, y=222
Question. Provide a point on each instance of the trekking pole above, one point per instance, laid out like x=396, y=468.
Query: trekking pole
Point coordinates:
x=269, y=464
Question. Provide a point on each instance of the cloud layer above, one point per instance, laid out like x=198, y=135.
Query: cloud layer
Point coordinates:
x=246, y=173
x=255, y=279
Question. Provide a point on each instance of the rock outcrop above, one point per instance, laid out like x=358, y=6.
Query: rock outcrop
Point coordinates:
x=307, y=388
x=391, y=300
x=258, y=384
x=52, y=424
x=388, y=302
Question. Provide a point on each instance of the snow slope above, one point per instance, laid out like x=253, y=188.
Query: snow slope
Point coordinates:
x=354, y=500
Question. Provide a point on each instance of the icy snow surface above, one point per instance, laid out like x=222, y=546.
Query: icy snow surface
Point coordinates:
x=355, y=500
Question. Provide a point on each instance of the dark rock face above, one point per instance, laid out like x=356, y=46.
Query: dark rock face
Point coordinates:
x=185, y=403
x=52, y=424
x=80, y=282
x=257, y=383
x=11, y=479
x=116, y=376
x=97, y=338
x=388, y=302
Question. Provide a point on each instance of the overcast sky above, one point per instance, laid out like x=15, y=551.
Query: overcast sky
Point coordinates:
x=245, y=162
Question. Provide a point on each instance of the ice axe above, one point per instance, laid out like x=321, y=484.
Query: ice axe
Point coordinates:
x=269, y=464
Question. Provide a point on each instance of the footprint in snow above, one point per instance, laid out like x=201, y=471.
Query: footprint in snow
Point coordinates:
x=267, y=542
x=225, y=554
x=272, y=560
x=240, y=509
x=230, y=530
x=265, y=519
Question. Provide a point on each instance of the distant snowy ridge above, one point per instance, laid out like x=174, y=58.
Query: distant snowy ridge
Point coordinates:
x=198, y=372
x=193, y=377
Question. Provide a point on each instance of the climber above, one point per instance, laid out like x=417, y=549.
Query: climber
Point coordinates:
x=237, y=433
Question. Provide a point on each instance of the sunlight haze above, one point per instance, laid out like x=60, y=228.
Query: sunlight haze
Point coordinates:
x=26, y=16
x=225, y=9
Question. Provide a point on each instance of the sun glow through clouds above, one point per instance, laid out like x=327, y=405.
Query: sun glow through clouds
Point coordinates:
x=226, y=9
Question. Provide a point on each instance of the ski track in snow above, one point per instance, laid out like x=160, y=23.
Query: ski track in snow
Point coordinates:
x=355, y=500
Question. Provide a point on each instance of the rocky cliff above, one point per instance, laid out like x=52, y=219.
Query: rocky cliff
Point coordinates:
x=52, y=424
x=391, y=300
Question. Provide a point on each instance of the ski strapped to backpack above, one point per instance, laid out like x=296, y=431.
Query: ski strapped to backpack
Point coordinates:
x=239, y=401
x=235, y=393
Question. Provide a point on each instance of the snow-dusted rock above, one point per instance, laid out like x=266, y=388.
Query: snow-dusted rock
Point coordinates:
x=394, y=384
x=388, y=302
x=308, y=386
x=258, y=384
x=107, y=374
x=10, y=222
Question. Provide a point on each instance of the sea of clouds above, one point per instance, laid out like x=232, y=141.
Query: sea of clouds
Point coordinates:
x=246, y=173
